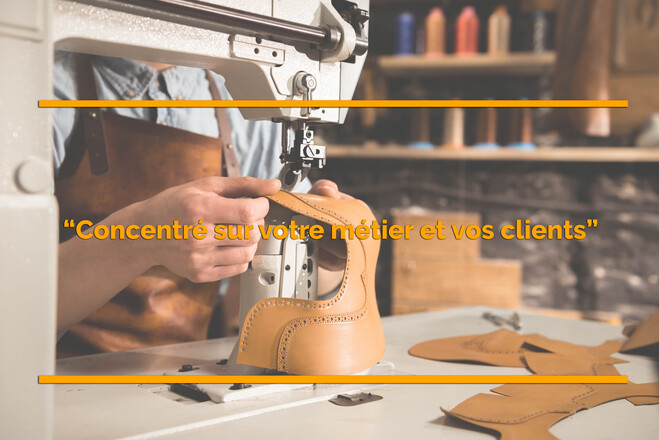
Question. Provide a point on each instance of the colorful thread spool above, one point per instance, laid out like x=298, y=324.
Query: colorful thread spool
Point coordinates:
x=405, y=34
x=435, y=32
x=466, y=32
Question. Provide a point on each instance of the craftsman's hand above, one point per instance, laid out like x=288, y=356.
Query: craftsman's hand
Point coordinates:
x=332, y=253
x=215, y=200
x=327, y=188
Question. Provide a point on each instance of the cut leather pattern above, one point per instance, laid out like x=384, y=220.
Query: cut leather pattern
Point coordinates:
x=564, y=358
x=528, y=411
x=293, y=335
x=502, y=347
x=506, y=348
x=642, y=336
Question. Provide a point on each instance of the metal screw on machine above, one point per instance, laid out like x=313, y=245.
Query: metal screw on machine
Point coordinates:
x=305, y=83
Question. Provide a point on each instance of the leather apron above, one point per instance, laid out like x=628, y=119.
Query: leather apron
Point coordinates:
x=116, y=161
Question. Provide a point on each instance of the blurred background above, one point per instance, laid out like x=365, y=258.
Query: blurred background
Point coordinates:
x=492, y=166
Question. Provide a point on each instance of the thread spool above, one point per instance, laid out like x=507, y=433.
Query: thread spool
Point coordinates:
x=486, y=129
x=498, y=41
x=435, y=33
x=420, y=128
x=520, y=131
x=454, y=126
x=405, y=34
x=466, y=32
x=539, y=34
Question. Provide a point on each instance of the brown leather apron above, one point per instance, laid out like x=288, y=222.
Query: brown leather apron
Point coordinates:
x=116, y=161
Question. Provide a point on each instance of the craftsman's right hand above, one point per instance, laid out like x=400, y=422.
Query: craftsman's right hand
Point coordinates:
x=215, y=200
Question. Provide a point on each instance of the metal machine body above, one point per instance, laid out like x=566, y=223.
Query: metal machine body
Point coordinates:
x=280, y=50
x=266, y=49
x=281, y=268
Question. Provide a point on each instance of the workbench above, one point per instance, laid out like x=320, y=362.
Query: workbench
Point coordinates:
x=405, y=412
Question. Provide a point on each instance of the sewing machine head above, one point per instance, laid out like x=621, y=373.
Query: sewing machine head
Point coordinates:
x=286, y=50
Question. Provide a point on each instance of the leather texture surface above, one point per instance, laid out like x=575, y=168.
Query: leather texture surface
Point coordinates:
x=507, y=348
x=144, y=159
x=502, y=347
x=341, y=335
x=644, y=335
x=528, y=411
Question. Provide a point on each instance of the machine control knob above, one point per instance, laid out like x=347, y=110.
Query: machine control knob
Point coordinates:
x=33, y=176
x=305, y=83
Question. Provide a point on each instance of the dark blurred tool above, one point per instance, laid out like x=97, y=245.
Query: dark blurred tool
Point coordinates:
x=514, y=321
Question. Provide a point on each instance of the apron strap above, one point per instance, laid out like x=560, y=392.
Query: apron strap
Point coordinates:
x=92, y=118
x=230, y=161
x=92, y=123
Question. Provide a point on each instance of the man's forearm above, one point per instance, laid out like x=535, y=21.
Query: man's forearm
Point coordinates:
x=92, y=271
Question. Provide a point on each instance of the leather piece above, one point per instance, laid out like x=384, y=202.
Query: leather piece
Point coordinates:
x=506, y=348
x=611, y=370
x=565, y=358
x=539, y=354
x=644, y=335
x=502, y=347
x=341, y=335
x=145, y=158
x=528, y=411
x=157, y=308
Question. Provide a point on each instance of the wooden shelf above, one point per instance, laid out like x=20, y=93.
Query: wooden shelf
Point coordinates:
x=558, y=154
x=517, y=64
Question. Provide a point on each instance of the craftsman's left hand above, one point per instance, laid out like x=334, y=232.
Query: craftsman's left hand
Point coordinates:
x=332, y=253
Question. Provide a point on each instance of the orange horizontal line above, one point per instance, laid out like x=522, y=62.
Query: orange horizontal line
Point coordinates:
x=421, y=379
x=382, y=103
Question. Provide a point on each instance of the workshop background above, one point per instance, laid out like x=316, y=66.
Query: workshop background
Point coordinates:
x=419, y=165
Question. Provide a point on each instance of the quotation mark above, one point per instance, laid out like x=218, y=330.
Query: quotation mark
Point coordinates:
x=69, y=223
x=591, y=222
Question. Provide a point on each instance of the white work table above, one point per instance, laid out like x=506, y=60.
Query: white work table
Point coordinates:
x=405, y=412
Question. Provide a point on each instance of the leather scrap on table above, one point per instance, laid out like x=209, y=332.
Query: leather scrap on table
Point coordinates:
x=643, y=336
x=528, y=411
x=564, y=358
x=505, y=348
x=502, y=347
x=538, y=353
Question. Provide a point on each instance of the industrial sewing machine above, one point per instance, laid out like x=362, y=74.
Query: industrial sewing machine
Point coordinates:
x=281, y=49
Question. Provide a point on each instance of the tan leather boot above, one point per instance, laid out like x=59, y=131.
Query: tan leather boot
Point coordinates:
x=341, y=335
